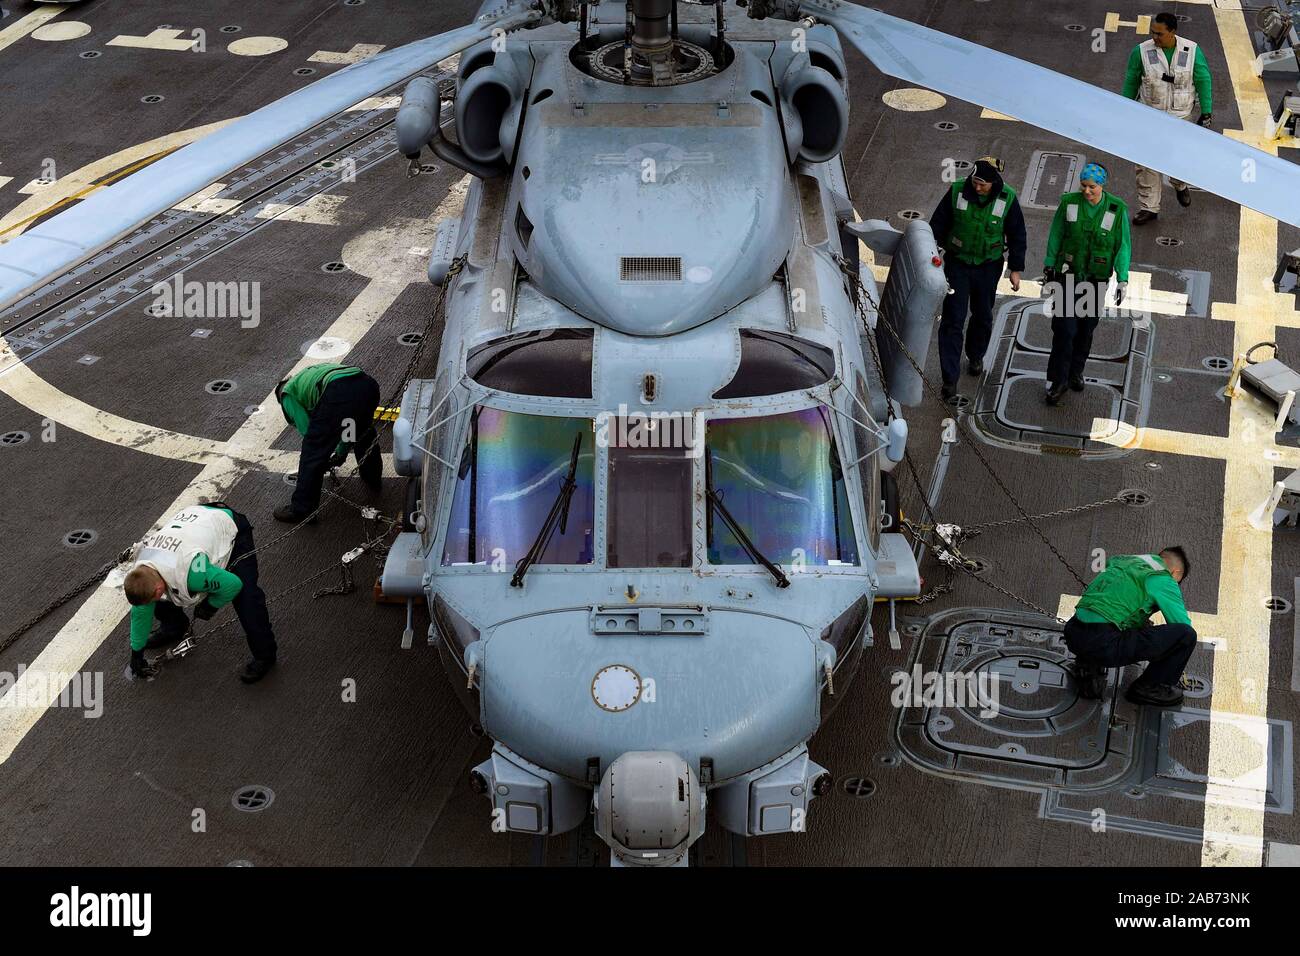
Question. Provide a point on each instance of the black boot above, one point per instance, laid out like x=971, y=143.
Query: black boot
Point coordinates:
x=975, y=368
x=949, y=391
x=1076, y=383
x=1091, y=679
x=1156, y=695
x=1184, y=196
x=289, y=516
x=1054, y=394
x=1144, y=216
x=255, y=670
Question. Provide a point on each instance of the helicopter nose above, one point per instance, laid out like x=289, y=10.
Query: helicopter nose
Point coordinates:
x=566, y=687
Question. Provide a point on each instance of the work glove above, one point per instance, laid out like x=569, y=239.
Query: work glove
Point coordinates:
x=1121, y=290
x=338, y=459
x=205, y=611
x=140, y=666
x=1050, y=276
x=1204, y=120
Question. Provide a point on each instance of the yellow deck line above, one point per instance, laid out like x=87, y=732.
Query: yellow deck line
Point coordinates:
x=91, y=177
x=68, y=651
x=1246, y=556
x=24, y=27
x=223, y=466
x=86, y=191
x=1233, y=827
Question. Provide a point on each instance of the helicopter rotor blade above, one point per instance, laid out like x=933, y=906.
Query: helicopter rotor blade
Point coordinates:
x=31, y=259
x=1074, y=109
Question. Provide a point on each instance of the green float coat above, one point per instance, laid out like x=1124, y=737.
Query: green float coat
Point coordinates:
x=1129, y=591
x=1092, y=240
x=977, y=234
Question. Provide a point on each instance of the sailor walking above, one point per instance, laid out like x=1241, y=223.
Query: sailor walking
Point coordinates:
x=1089, y=243
x=981, y=228
x=1167, y=73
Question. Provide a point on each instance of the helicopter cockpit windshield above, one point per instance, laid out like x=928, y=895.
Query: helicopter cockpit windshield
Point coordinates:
x=781, y=478
x=775, y=492
x=507, y=480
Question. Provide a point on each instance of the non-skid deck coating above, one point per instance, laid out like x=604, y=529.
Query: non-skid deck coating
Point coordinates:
x=365, y=746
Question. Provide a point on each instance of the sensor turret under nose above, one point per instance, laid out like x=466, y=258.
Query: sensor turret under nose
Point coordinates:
x=649, y=808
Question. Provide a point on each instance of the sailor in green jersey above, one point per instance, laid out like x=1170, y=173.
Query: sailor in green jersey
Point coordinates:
x=981, y=228
x=1089, y=243
x=1167, y=73
x=202, y=558
x=1111, y=626
x=333, y=408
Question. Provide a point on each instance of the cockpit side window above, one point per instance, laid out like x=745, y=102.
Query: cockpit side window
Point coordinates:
x=553, y=363
x=771, y=362
x=511, y=470
x=868, y=467
x=436, y=435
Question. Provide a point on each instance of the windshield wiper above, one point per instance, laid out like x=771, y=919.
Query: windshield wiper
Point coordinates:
x=469, y=466
x=558, y=516
x=733, y=525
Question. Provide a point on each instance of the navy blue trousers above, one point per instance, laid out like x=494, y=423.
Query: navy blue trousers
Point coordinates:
x=1072, y=330
x=1168, y=648
x=345, y=401
x=974, y=288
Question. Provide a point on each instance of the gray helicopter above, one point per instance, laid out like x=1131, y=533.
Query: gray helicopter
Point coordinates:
x=651, y=458
x=650, y=474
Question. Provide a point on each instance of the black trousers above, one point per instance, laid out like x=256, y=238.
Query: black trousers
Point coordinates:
x=345, y=402
x=1073, y=325
x=1168, y=648
x=171, y=620
x=974, y=289
x=249, y=603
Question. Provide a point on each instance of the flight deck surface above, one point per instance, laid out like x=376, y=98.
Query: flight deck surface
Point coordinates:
x=356, y=751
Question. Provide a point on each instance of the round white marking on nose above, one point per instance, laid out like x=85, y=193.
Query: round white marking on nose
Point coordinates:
x=615, y=688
